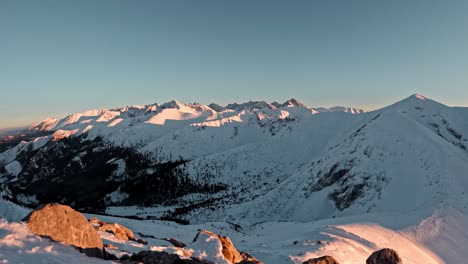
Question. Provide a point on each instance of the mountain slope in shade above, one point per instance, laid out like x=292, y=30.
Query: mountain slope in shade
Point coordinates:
x=256, y=161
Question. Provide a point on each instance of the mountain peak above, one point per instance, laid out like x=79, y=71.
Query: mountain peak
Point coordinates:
x=250, y=105
x=418, y=96
x=415, y=98
x=293, y=102
x=216, y=107
x=45, y=125
x=418, y=102
x=172, y=104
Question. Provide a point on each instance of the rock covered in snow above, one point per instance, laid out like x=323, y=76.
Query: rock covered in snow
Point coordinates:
x=227, y=253
x=119, y=231
x=322, y=260
x=384, y=256
x=63, y=224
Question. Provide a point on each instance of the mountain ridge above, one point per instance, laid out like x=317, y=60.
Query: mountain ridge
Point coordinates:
x=50, y=122
x=258, y=163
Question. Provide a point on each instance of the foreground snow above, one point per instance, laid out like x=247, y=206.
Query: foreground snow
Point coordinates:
x=419, y=237
x=19, y=245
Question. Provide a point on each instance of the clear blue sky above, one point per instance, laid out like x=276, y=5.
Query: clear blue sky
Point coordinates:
x=60, y=57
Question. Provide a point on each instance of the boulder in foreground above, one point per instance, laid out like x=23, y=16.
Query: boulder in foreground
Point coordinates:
x=322, y=260
x=384, y=256
x=63, y=224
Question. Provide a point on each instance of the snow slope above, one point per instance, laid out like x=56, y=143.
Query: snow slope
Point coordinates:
x=19, y=245
x=422, y=236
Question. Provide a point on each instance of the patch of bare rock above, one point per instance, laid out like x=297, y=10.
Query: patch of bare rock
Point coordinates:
x=119, y=231
x=157, y=257
x=322, y=260
x=384, y=256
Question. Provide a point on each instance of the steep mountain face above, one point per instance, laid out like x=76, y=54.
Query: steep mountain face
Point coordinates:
x=254, y=161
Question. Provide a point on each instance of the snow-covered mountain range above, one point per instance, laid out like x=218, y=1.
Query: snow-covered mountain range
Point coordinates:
x=255, y=160
x=395, y=177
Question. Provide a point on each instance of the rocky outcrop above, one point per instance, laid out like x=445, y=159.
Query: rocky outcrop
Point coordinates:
x=119, y=231
x=248, y=259
x=110, y=246
x=229, y=251
x=63, y=224
x=322, y=260
x=156, y=257
x=96, y=222
x=250, y=262
x=174, y=242
x=384, y=256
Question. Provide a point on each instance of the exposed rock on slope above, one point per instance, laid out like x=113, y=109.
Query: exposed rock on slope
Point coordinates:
x=322, y=260
x=384, y=256
x=119, y=231
x=229, y=251
x=156, y=257
x=174, y=242
x=63, y=224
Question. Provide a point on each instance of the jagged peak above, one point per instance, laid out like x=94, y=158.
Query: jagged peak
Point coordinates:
x=250, y=105
x=216, y=107
x=293, y=102
x=260, y=105
x=172, y=104
x=129, y=107
x=276, y=104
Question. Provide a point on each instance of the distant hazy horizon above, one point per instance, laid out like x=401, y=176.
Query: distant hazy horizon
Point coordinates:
x=62, y=57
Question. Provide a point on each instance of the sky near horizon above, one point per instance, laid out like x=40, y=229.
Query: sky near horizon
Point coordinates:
x=61, y=57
